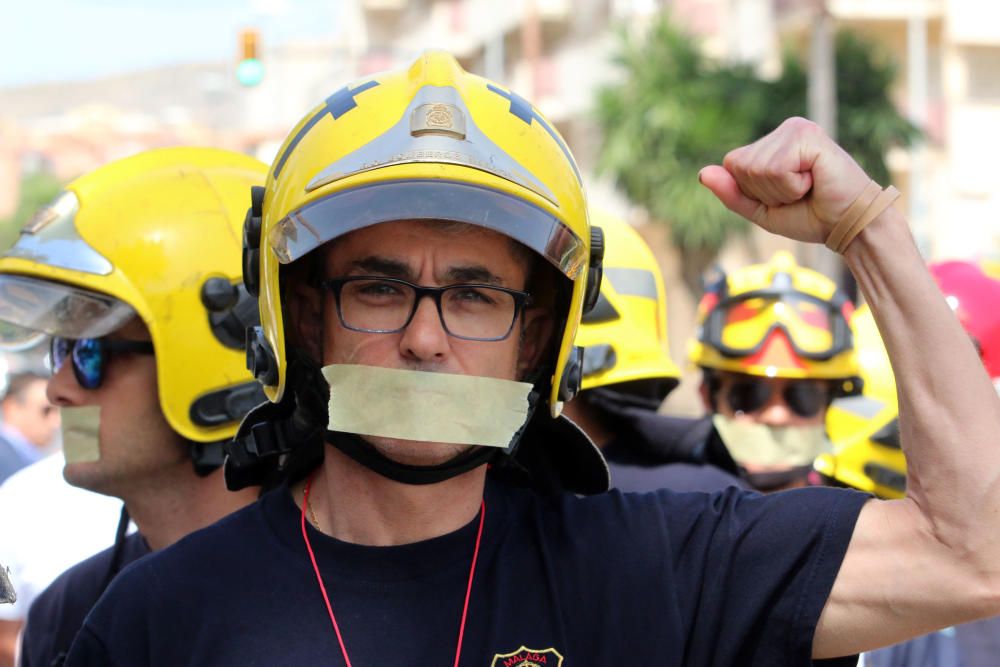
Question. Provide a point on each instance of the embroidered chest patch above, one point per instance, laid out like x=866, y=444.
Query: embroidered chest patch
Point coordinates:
x=528, y=657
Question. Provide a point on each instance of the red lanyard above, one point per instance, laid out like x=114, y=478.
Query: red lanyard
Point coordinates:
x=326, y=598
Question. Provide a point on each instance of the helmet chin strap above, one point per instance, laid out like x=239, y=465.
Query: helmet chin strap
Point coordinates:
x=367, y=455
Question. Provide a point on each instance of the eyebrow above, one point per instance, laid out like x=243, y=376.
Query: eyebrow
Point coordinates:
x=473, y=274
x=383, y=266
x=393, y=268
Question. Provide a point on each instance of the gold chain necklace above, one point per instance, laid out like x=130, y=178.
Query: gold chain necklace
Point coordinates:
x=312, y=512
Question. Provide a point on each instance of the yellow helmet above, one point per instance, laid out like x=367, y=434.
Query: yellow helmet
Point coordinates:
x=991, y=268
x=431, y=142
x=624, y=337
x=777, y=319
x=864, y=428
x=155, y=235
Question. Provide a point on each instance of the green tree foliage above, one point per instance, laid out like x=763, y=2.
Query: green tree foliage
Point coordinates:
x=37, y=190
x=672, y=112
x=868, y=124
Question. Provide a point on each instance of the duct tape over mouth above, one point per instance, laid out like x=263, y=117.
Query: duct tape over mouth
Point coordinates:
x=425, y=406
x=79, y=433
x=759, y=444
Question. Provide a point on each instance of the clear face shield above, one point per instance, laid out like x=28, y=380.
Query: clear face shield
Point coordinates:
x=31, y=308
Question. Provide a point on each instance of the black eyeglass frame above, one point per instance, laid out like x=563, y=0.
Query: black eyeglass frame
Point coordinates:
x=522, y=300
x=105, y=349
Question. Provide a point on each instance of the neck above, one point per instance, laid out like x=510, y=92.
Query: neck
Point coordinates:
x=169, y=509
x=357, y=505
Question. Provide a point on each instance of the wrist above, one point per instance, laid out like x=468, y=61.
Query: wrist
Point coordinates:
x=887, y=235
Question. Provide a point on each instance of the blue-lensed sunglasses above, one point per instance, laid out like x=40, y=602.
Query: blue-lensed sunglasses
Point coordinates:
x=90, y=356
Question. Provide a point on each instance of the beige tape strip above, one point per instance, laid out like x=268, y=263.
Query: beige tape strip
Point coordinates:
x=759, y=444
x=424, y=406
x=885, y=199
x=852, y=215
x=79, y=433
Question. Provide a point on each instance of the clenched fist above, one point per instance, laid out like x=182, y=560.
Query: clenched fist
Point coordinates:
x=796, y=181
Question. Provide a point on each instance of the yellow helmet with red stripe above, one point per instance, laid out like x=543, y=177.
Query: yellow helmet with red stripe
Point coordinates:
x=777, y=319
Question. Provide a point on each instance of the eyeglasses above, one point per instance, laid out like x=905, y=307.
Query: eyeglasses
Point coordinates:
x=805, y=398
x=90, y=356
x=386, y=305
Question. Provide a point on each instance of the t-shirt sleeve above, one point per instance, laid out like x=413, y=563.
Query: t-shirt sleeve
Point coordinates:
x=753, y=572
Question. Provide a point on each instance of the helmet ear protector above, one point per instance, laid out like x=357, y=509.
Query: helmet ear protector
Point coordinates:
x=261, y=360
x=595, y=271
x=251, y=241
x=572, y=377
x=231, y=311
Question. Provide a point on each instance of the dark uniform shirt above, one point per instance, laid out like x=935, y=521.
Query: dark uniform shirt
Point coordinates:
x=733, y=578
x=57, y=613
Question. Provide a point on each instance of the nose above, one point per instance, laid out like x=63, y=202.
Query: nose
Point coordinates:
x=425, y=339
x=63, y=390
x=776, y=412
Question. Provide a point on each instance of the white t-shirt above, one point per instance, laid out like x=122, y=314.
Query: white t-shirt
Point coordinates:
x=46, y=526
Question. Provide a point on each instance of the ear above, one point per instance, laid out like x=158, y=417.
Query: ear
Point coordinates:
x=536, y=334
x=304, y=309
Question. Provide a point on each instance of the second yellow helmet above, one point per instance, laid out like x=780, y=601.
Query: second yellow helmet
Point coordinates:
x=624, y=337
x=776, y=319
x=155, y=235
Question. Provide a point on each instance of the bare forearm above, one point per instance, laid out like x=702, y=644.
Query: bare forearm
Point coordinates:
x=932, y=559
x=949, y=411
x=925, y=562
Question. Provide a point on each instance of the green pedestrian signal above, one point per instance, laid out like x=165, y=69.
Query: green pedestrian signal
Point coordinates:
x=250, y=70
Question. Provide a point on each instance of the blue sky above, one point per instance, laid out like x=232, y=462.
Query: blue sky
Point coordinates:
x=66, y=40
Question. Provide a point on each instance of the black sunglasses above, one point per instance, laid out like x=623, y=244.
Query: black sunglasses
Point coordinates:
x=805, y=398
x=90, y=356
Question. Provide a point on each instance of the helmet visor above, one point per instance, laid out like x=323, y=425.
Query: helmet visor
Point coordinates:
x=817, y=329
x=60, y=310
x=320, y=221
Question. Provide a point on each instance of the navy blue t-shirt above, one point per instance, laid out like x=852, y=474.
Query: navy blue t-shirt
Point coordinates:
x=732, y=578
x=57, y=613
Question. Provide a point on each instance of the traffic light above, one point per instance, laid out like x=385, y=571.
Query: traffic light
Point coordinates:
x=250, y=70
